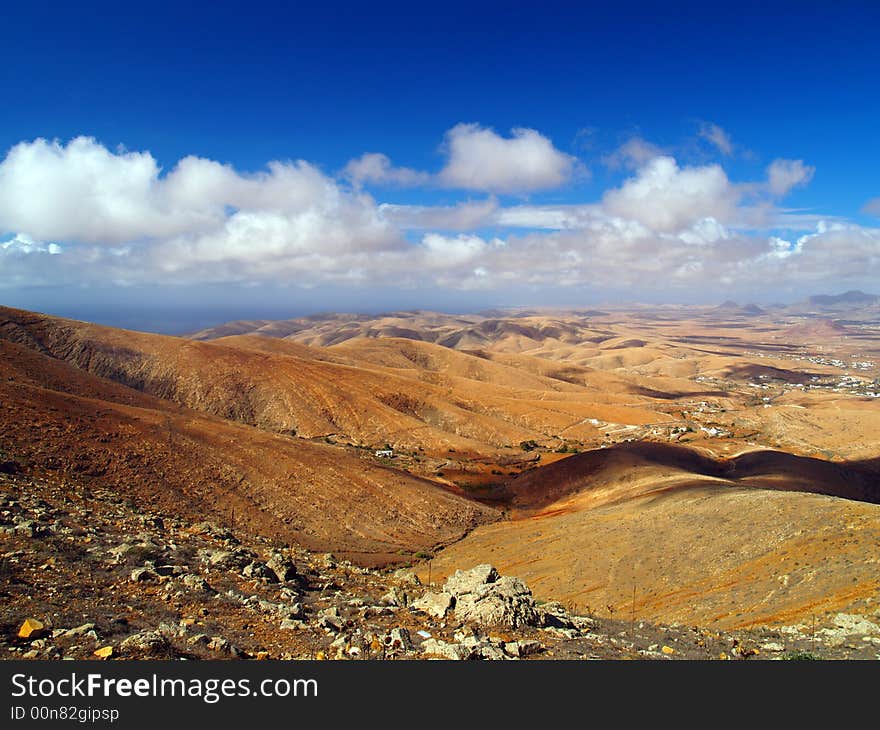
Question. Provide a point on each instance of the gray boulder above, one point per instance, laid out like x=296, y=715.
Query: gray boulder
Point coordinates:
x=260, y=571
x=468, y=581
x=484, y=598
x=283, y=567
x=435, y=604
x=143, y=575
x=145, y=641
x=445, y=650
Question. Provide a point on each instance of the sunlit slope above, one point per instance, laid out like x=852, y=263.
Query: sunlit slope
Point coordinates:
x=686, y=534
x=368, y=392
x=56, y=417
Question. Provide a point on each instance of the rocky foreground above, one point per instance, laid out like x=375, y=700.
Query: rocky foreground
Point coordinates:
x=87, y=574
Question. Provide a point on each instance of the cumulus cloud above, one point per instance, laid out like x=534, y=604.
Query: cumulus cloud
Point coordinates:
x=665, y=198
x=481, y=159
x=202, y=220
x=81, y=191
x=84, y=192
x=81, y=213
x=374, y=167
x=785, y=175
x=716, y=136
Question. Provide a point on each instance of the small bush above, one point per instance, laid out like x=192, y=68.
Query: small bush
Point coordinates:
x=801, y=656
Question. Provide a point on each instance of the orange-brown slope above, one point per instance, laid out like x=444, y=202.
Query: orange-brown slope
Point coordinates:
x=280, y=392
x=412, y=395
x=706, y=554
x=699, y=540
x=55, y=417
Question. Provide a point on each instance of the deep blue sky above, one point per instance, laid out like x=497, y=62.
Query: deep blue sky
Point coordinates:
x=252, y=81
x=245, y=83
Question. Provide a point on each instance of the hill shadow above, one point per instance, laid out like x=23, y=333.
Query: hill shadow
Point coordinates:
x=620, y=465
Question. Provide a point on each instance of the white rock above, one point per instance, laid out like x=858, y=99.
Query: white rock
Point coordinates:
x=435, y=604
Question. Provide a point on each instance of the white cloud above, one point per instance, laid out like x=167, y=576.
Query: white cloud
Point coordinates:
x=22, y=243
x=718, y=137
x=550, y=217
x=80, y=191
x=81, y=213
x=374, y=167
x=667, y=198
x=83, y=192
x=444, y=252
x=202, y=219
x=480, y=159
x=784, y=175
x=464, y=216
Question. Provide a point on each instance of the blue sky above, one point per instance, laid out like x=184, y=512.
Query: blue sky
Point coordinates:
x=566, y=153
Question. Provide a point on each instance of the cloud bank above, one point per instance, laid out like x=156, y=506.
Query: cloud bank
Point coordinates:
x=79, y=212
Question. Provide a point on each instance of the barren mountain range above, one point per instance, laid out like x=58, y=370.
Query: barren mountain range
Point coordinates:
x=707, y=465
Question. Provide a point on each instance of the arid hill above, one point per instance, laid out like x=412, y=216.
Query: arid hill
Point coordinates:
x=677, y=536
x=64, y=420
x=367, y=392
x=723, y=468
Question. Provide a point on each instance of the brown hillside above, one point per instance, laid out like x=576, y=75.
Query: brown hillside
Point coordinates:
x=60, y=419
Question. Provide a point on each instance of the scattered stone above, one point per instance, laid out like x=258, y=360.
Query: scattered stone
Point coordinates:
x=78, y=630
x=283, y=567
x=523, y=647
x=668, y=650
x=260, y=571
x=145, y=641
x=223, y=646
x=443, y=649
x=32, y=628
x=398, y=640
x=772, y=646
x=105, y=652
x=143, y=575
